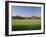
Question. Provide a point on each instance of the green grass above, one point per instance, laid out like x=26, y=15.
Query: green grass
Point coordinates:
x=26, y=24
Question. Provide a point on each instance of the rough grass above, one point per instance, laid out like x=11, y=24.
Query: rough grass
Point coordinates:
x=26, y=24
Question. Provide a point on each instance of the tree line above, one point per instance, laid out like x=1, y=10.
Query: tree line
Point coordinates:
x=19, y=17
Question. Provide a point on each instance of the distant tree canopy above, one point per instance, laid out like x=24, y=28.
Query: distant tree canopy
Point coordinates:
x=20, y=17
x=35, y=17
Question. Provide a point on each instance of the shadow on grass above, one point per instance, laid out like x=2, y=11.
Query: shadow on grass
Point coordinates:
x=26, y=27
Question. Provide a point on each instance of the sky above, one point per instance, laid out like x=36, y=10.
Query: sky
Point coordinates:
x=26, y=11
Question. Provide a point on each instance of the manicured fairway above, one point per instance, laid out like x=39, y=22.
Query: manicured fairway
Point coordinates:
x=26, y=24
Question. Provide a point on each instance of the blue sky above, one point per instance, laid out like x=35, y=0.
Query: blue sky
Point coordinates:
x=26, y=11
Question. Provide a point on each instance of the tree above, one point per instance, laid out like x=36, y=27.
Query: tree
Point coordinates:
x=35, y=17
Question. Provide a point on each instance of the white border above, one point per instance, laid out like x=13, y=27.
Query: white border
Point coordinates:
x=28, y=31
